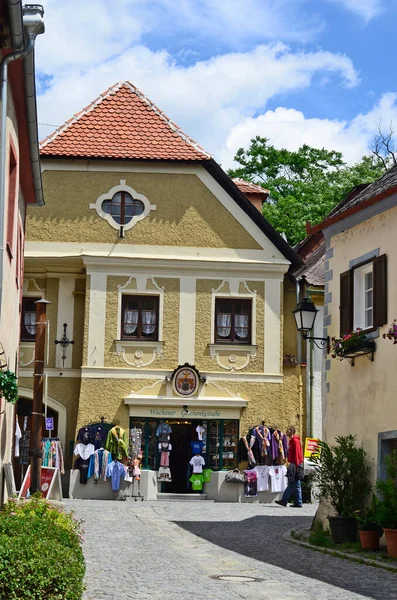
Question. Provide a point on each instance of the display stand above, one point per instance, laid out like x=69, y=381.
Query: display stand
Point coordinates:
x=137, y=496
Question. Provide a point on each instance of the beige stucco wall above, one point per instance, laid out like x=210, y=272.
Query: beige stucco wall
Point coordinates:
x=362, y=399
x=78, y=323
x=187, y=213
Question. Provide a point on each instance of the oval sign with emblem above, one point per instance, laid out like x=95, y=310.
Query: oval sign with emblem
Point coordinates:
x=185, y=381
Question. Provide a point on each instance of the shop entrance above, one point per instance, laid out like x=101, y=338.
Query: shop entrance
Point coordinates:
x=180, y=457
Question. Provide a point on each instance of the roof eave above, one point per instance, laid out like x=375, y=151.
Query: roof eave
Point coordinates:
x=240, y=198
x=350, y=211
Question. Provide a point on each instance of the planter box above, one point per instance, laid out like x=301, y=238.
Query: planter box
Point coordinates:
x=367, y=347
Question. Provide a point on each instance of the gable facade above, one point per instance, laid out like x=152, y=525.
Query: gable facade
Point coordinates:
x=195, y=254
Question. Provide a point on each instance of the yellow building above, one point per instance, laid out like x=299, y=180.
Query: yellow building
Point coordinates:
x=361, y=293
x=153, y=258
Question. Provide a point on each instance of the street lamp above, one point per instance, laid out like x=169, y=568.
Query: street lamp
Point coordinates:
x=38, y=383
x=305, y=314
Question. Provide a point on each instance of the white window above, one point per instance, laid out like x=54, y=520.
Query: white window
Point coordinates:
x=363, y=297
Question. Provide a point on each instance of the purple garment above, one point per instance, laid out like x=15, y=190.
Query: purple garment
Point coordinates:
x=275, y=446
x=115, y=472
x=285, y=445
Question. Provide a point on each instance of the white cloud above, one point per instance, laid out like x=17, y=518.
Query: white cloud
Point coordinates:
x=366, y=9
x=91, y=31
x=288, y=128
x=206, y=99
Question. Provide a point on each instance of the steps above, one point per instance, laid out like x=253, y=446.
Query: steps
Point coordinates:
x=165, y=497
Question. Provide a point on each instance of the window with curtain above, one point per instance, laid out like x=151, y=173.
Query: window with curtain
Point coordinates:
x=140, y=315
x=233, y=321
x=28, y=320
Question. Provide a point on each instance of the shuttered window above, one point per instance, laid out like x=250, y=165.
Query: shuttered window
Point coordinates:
x=363, y=296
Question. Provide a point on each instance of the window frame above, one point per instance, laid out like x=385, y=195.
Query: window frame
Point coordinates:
x=349, y=290
x=232, y=339
x=359, y=310
x=25, y=336
x=140, y=298
x=112, y=202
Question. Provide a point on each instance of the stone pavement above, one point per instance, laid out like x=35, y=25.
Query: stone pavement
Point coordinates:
x=175, y=550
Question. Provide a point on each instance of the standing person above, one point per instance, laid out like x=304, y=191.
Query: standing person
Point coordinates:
x=295, y=458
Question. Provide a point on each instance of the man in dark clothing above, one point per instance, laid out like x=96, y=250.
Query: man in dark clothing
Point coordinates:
x=295, y=458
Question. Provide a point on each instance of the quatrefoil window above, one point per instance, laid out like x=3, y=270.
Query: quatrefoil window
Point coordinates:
x=122, y=206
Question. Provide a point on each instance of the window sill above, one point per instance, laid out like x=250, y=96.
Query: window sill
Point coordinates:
x=218, y=346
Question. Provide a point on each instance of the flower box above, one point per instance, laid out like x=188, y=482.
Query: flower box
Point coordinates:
x=352, y=345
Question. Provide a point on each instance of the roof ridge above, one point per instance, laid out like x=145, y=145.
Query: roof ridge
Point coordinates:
x=112, y=90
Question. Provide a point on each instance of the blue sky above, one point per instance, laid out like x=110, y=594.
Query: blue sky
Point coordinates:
x=320, y=72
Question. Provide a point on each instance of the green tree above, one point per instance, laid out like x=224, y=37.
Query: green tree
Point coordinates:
x=304, y=185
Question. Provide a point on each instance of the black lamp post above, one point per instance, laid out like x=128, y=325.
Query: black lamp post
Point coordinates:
x=305, y=314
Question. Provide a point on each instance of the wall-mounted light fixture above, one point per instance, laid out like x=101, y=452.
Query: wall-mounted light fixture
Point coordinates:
x=305, y=314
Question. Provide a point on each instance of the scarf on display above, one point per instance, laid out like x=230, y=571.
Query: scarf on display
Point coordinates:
x=278, y=436
x=263, y=433
x=250, y=454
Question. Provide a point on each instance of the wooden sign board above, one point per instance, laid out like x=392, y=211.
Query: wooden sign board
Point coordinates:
x=51, y=487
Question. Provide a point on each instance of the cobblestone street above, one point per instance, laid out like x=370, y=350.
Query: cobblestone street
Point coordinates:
x=169, y=550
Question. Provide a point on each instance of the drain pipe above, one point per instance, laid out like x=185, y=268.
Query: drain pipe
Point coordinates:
x=299, y=365
x=33, y=25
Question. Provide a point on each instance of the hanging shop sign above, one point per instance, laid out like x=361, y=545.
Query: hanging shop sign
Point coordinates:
x=185, y=380
x=50, y=484
x=49, y=423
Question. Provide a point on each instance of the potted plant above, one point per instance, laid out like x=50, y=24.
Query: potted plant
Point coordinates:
x=387, y=507
x=351, y=345
x=8, y=386
x=368, y=527
x=341, y=473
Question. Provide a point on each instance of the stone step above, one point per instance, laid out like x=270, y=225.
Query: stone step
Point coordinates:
x=164, y=496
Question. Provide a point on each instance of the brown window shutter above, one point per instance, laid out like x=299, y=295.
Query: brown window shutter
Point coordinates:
x=346, y=302
x=380, y=290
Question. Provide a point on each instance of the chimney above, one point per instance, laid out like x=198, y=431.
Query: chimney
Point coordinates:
x=256, y=194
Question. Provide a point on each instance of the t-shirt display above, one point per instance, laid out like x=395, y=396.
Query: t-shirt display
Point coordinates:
x=263, y=478
x=197, y=447
x=278, y=478
x=200, y=430
x=197, y=463
x=251, y=483
x=207, y=475
x=197, y=481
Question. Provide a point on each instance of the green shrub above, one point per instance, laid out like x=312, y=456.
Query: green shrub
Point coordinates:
x=40, y=552
x=342, y=475
x=387, y=492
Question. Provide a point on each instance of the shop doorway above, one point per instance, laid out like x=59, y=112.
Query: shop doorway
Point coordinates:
x=24, y=416
x=180, y=457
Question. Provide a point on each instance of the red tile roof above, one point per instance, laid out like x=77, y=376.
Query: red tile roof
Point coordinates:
x=250, y=188
x=122, y=123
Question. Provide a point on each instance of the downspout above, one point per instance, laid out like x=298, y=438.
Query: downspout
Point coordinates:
x=311, y=375
x=33, y=25
x=299, y=365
